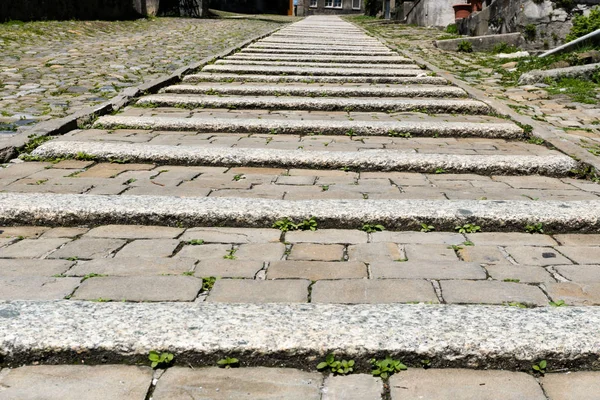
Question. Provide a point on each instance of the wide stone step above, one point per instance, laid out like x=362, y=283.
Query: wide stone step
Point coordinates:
x=445, y=215
x=366, y=160
x=310, y=126
x=283, y=70
x=284, y=46
x=310, y=91
x=321, y=104
x=321, y=51
x=321, y=58
x=224, y=77
x=459, y=336
x=314, y=64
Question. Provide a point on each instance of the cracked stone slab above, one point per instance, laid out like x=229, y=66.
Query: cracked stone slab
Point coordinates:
x=222, y=77
x=306, y=91
x=330, y=127
x=474, y=336
x=319, y=104
x=73, y=210
x=280, y=70
x=367, y=160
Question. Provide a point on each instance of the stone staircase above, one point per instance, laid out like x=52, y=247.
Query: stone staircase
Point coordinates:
x=317, y=126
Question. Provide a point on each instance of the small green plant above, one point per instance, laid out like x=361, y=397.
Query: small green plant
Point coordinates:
x=534, y=228
x=239, y=177
x=287, y=224
x=540, y=367
x=324, y=188
x=307, y=225
x=516, y=304
x=195, y=242
x=400, y=134
x=530, y=32
x=511, y=280
x=536, y=140
x=370, y=228
x=426, y=364
x=504, y=48
x=338, y=367
x=228, y=362
x=162, y=360
x=230, y=254
x=284, y=224
x=558, y=303
x=452, y=29
x=208, y=283
x=427, y=228
x=386, y=367
x=467, y=228
x=468, y=243
x=440, y=171
x=464, y=46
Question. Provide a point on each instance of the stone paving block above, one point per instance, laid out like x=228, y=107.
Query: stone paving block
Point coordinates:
x=316, y=270
x=204, y=251
x=267, y=291
x=295, y=180
x=579, y=273
x=85, y=248
x=572, y=386
x=104, y=170
x=575, y=294
x=418, y=237
x=510, y=238
x=462, y=384
x=352, y=387
x=352, y=291
x=316, y=252
x=242, y=383
x=221, y=268
x=72, y=164
x=6, y=241
x=76, y=382
x=491, y=292
x=325, y=236
x=232, y=235
x=24, y=231
x=36, y=287
x=574, y=239
x=529, y=255
x=581, y=254
x=149, y=247
x=31, y=248
x=22, y=268
x=257, y=170
x=134, y=232
x=534, y=182
x=133, y=266
x=139, y=288
x=370, y=252
x=64, y=232
x=483, y=254
x=426, y=270
x=522, y=273
x=430, y=252
x=260, y=251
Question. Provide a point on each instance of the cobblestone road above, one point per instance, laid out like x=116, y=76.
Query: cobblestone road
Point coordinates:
x=52, y=69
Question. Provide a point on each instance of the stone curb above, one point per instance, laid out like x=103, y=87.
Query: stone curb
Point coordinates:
x=312, y=91
x=326, y=127
x=554, y=136
x=433, y=80
x=402, y=215
x=63, y=125
x=365, y=160
x=295, y=335
x=447, y=106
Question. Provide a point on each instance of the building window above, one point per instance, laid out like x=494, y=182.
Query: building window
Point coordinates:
x=313, y=3
x=328, y=3
x=356, y=4
x=337, y=3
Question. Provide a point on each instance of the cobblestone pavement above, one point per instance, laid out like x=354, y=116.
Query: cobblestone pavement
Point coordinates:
x=54, y=68
x=67, y=382
x=120, y=262
x=574, y=119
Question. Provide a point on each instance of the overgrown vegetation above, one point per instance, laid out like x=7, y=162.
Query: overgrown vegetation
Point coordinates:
x=582, y=25
x=465, y=46
x=338, y=367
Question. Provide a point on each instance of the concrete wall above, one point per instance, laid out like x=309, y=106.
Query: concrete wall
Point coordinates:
x=430, y=12
x=29, y=10
x=320, y=9
x=507, y=16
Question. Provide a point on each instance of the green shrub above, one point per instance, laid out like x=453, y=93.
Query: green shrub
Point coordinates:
x=530, y=32
x=583, y=25
x=504, y=48
x=465, y=46
x=452, y=28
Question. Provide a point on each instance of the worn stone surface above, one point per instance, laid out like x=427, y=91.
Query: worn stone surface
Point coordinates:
x=244, y=383
x=139, y=288
x=247, y=291
x=36, y=287
x=572, y=386
x=316, y=270
x=73, y=382
x=486, y=292
x=373, y=291
x=353, y=387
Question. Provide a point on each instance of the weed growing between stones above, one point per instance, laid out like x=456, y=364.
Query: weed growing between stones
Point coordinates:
x=370, y=228
x=540, y=367
x=387, y=367
x=228, y=362
x=534, y=228
x=337, y=367
x=287, y=224
x=467, y=228
x=465, y=46
x=160, y=360
x=427, y=228
x=34, y=142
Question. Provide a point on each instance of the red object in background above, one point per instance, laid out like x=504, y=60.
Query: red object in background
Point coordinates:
x=462, y=10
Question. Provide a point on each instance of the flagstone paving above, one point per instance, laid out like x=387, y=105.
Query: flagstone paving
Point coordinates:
x=166, y=227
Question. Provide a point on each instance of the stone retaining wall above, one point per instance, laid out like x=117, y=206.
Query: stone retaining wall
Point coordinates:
x=543, y=24
x=28, y=10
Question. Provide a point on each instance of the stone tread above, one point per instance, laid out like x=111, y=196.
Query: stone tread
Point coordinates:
x=226, y=77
